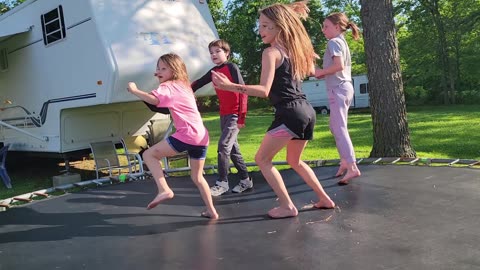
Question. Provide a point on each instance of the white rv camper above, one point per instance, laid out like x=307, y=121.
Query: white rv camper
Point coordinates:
x=64, y=67
x=316, y=92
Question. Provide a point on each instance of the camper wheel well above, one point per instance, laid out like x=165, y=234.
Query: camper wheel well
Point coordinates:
x=322, y=110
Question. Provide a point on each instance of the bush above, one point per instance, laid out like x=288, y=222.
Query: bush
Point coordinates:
x=415, y=95
x=468, y=97
x=208, y=104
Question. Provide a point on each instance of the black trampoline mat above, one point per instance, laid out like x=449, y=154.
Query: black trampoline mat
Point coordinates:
x=392, y=217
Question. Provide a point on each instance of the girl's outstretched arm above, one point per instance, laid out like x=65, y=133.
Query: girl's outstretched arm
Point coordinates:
x=270, y=57
x=147, y=97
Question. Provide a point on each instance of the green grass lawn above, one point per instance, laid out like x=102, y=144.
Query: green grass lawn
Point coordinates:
x=436, y=132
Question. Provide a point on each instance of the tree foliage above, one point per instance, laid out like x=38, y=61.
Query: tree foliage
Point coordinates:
x=440, y=49
x=6, y=5
x=438, y=43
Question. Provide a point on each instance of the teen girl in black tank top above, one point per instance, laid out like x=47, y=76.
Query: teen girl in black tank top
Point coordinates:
x=291, y=106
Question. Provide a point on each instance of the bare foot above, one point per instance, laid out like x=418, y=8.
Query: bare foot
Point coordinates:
x=326, y=203
x=349, y=176
x=278, y=212
x=341, y=171
x=209, y=215
x=160, y=198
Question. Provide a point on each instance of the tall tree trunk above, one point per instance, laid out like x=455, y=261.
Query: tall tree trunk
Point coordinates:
x=447, y=79
x=391, y=137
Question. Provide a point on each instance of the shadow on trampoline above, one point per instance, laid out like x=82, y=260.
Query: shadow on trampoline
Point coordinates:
x=393, y=217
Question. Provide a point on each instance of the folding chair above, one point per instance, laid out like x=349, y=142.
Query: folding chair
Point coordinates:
x=106, y=158
x=3, y=169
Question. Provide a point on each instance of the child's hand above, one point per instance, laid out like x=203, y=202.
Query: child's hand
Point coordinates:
x=220, y=80
x=239, y=126
x=132, y=87
x=319, y=73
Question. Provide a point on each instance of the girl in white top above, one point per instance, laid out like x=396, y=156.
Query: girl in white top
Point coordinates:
x=337, y=66
x=174, y=92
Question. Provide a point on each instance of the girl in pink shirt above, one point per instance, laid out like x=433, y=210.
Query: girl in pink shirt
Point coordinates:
x=174, y=92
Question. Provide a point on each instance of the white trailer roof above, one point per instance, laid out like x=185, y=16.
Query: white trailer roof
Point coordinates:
x=12, y=30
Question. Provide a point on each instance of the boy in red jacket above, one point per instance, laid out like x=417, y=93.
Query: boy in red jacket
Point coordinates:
x=233, y=110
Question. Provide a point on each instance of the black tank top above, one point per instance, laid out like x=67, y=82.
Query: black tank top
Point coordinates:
x=284, y=88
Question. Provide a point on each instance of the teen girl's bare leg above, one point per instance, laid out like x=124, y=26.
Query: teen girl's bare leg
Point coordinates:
x=196, y=166
x=152, y=158
x=269, y=147
x=294, y=153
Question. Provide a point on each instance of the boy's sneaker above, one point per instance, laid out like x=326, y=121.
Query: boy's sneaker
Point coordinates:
x=219, y=188
x=243, y=185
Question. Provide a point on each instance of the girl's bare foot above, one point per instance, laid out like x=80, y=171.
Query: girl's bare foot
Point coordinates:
x=166, y=195
x=279, y=212
x=326, y=203
x=349, y=176
x=209, y=215
x=341, y=171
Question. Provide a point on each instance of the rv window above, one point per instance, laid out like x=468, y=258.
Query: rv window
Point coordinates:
x=53, y=26
x=363, y=88
x=3, y=60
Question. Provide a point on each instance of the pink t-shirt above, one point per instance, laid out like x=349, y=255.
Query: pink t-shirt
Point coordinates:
x=184, y=111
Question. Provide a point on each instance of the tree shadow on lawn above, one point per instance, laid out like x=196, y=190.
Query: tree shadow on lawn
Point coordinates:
x=30, y=174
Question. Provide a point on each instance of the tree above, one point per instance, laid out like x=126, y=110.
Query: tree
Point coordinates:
x=391, y=136
x=438, y=40
x=6, y=5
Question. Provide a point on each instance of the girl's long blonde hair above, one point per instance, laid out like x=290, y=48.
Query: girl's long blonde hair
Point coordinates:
x=292, y=36
x=176, y=64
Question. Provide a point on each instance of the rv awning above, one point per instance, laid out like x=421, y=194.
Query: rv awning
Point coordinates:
x=14, y=30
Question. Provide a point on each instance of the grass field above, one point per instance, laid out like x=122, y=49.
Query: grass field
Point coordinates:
x=436, y=132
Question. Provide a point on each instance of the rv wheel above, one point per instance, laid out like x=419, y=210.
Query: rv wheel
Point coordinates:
x=322, y=110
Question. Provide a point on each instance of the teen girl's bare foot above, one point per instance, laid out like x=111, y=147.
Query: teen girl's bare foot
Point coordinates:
x=209, y=215
x=160, y=198
x=279, y=212
x=349, y=176
x=326, y=203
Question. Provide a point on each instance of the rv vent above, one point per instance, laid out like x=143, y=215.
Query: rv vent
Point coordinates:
x=53, y=26
x=3, y=60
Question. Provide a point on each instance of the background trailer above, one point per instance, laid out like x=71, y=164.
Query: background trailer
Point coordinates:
x=65, y=65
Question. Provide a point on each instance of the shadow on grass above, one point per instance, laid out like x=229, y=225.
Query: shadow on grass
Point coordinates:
x=30, y=174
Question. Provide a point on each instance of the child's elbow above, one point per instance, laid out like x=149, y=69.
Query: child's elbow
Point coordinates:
x=264, y=95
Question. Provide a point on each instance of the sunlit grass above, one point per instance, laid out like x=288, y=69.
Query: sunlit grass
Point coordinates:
x=435, y=132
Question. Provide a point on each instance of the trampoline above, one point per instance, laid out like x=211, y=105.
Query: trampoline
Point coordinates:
x=393, y=217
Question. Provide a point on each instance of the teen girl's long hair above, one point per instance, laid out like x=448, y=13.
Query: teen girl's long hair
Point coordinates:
x=292, y=36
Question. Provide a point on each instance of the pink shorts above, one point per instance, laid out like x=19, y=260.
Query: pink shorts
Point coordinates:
x=282, y=131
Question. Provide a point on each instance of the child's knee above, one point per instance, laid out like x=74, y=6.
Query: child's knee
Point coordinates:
x=293, y=162
x=197, y=179
x=262, y=160
x=148, y=154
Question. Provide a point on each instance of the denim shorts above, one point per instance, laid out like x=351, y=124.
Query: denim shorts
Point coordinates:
x=194, y=151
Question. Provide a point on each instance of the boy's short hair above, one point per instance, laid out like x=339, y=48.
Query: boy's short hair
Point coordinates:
x=222, y=44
